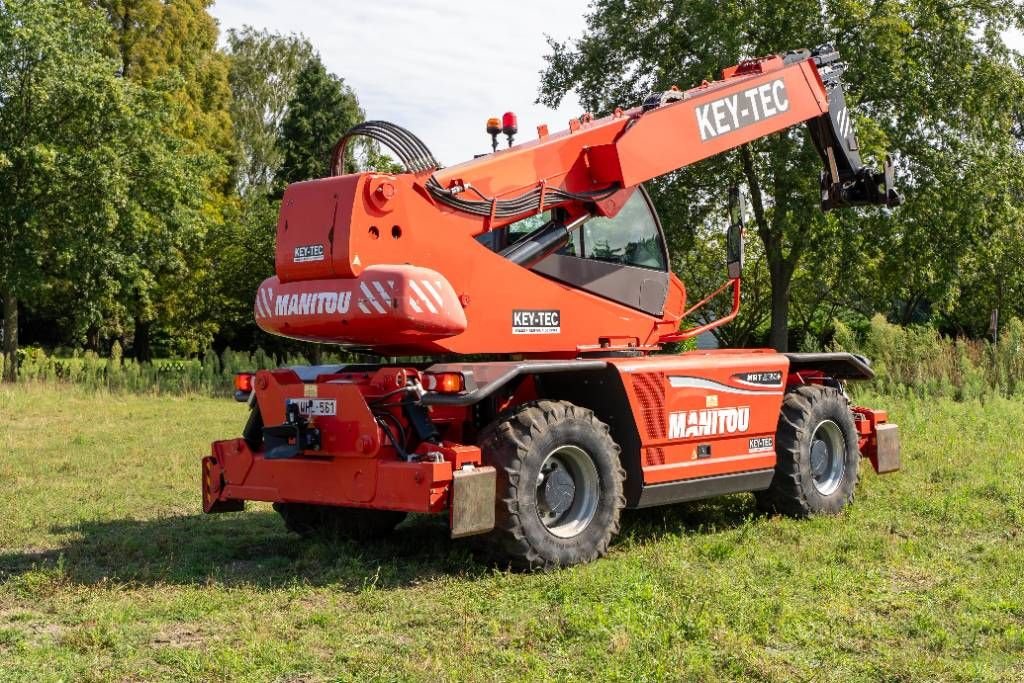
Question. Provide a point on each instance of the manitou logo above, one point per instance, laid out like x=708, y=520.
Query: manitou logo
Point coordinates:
x=693, y=423
x=742, y=109
x=313, y=303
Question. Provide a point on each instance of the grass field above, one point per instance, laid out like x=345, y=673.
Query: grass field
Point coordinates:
x=109, y=571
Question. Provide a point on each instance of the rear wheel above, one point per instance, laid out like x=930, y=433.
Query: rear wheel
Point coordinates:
x=559, y=486
x=818, y=460
x=338, y=522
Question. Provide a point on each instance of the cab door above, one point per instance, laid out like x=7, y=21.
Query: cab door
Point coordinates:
x=623, y=259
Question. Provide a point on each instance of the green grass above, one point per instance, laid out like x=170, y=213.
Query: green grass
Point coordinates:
x=109, y=571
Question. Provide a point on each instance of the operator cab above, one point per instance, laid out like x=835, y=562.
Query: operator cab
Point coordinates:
x=622, y=258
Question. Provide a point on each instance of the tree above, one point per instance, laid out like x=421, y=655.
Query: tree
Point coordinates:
x=88, y=177
x=923, y=76
x=265, y=67
x=321, y=110
x=172, y=47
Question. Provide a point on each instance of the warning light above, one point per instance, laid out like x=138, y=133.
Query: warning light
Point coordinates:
x=493, y=129
x=509, y=124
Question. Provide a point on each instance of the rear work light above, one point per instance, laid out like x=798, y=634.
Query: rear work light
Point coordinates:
x=444, y=382
x=243, y=385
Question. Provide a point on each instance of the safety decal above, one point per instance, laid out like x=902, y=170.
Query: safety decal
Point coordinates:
x=536, y=321
x=741, y=109
x=308, y=253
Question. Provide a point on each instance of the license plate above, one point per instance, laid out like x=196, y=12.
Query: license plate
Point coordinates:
x=315, y=406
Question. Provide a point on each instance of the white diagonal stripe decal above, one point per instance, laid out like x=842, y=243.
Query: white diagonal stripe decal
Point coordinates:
x=267, y=302
x=415, y=306
x=369, y=297
x=423, y=297
x=383, y=293
x=433, y=293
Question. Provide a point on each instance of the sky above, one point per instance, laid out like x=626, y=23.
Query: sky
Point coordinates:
x=439, y=69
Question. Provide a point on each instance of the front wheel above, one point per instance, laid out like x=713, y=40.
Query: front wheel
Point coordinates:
x=559, y=486
x=817, y=467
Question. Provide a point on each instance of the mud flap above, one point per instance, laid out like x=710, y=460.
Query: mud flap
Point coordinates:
x=472, y=507
x=887, y=451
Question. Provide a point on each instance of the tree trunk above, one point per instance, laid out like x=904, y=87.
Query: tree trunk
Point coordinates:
x=778, y=334
x=92, y=339
x=142, y=349
x=10, y=330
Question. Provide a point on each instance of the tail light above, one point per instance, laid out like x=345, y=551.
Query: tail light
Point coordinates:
x=243, y=385
x=444, y=382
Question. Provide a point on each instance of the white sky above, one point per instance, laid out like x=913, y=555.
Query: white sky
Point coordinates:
x=439, y=69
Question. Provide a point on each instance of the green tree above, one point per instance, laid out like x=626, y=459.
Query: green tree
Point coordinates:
x=88, y=176
x=931, y=82
x=171, y=46
x=265, y=67
x=321, y=110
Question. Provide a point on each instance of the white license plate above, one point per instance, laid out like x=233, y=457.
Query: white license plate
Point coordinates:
x=315, y=406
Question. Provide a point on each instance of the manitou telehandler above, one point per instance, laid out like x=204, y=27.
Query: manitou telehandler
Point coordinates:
x=538, y=280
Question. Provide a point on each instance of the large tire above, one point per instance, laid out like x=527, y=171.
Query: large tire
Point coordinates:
x=329, y=521
x=816, y=442
x=559, y=491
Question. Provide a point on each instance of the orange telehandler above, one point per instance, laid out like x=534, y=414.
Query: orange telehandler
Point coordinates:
x=546, y=264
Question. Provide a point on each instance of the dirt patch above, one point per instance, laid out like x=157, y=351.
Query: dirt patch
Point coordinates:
x=180, y=635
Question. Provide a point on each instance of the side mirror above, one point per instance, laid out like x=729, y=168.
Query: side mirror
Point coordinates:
x=734, y=236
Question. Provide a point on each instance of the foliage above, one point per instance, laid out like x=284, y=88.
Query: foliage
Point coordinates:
x=321, y=110
x=96, y=191
x=918, y=361
x=210, y=375
x=171, y=47
x=264, y=70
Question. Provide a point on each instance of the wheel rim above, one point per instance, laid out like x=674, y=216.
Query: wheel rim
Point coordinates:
x=567, y=491
x=828, y=457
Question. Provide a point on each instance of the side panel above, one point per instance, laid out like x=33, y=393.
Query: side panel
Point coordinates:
x=704, y=414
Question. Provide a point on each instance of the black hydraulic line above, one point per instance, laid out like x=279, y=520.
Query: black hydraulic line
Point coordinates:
x=505, y=208
x=411, y=151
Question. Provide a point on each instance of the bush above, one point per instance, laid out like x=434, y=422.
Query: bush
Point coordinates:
x=918, y=361
x=212, y=375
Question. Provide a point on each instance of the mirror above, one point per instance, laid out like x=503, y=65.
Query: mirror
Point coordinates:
x=734, y=236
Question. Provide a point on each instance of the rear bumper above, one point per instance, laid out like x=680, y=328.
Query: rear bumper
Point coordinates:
x=232, y=472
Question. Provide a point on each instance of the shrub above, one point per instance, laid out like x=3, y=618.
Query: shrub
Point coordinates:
x=918, y=361
x=212, y=375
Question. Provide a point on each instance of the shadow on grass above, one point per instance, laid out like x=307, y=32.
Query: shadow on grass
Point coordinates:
x=253, y=549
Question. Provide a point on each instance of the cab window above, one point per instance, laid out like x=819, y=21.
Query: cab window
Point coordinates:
x=630, y=238
x=500, y=238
